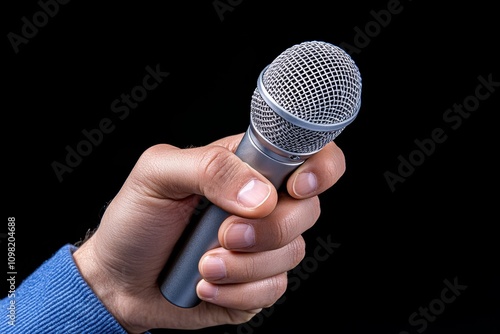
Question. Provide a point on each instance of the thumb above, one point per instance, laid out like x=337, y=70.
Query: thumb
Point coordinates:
x=212, y=171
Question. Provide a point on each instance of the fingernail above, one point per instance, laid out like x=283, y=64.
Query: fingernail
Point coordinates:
x=213, y=268
x=253, y=194
x=305, y=184
x=239, y=236
x=206, y=290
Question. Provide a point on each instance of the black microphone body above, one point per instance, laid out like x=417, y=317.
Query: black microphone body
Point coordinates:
x=303, y=100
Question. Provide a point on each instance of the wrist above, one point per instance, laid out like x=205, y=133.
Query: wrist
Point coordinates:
x=100, y=283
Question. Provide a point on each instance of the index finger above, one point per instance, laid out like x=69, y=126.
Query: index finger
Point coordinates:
x=318, y=173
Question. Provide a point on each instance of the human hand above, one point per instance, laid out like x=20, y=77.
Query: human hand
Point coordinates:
x=260, y=241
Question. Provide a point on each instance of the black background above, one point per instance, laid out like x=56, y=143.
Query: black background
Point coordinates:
x=396, y=246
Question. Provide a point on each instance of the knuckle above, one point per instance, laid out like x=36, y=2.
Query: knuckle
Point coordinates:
x=147, y=166
x=315, y=208
x=311, y=213
x=297, y=250
x=150, y=155
x=278, y=285
x=154, y=152
x=299, y=219
x=338, y=165
x=214, y=165
x=281, y=233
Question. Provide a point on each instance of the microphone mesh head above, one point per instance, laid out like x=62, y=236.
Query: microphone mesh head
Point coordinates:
x=315, y=81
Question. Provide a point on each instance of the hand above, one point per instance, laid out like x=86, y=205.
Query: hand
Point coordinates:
x=260, y=241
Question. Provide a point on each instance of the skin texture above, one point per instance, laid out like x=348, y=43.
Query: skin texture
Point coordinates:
x=260, y=241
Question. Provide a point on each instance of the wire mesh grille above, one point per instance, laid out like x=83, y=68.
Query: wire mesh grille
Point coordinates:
x=317, y=82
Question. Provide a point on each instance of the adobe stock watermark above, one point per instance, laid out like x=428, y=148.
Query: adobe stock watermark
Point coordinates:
x=30, y=27
x=223, y=6
x=373, y=28
x=419, y=320
x=453, y=119
x=94, y=137
x=322, y=252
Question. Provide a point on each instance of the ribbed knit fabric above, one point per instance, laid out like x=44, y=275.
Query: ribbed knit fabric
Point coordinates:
x=56, y=299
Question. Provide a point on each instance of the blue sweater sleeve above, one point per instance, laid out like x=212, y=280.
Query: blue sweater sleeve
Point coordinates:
x=56, y=299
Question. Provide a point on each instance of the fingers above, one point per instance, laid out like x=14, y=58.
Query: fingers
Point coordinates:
x=252, y=295
x=224, y=267
x=290, y=219
x=318, y=173
x=164, y=171
x=249, y=270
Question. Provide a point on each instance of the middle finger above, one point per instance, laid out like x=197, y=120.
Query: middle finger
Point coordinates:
x=290, y=218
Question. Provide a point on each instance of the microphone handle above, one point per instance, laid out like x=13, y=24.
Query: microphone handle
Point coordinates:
x=181, y=275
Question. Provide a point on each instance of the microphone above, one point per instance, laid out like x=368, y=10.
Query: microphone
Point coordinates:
x=303, y=100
